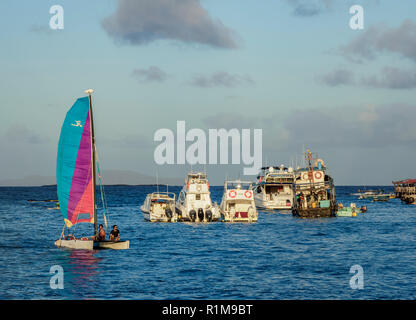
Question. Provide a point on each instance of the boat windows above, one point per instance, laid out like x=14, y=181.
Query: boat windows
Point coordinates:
x=198, y=196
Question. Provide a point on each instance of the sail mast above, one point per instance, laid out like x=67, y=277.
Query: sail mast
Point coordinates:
x=89, y=92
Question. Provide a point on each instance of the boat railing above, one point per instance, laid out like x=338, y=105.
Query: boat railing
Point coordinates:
x=279, y=179
x=307, y=185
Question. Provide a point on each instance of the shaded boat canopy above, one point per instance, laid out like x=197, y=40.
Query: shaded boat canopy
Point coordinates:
x=406, y=181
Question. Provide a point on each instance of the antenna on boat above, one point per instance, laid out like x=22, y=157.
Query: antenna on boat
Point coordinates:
x=157, y=182
x=304, y=155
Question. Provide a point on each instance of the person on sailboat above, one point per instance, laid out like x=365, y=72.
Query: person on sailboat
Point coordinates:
x=115, y=234
x=101, y=233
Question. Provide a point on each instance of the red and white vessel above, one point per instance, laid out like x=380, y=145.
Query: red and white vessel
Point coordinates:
x=237, y=203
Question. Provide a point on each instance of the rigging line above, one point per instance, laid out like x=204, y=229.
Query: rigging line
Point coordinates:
x=103, y=197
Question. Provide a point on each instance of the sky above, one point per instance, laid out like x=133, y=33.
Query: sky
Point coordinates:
x=293, y=68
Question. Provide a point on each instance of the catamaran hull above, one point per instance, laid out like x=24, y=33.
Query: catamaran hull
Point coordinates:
x=75, y=244
x=314, y=213
x=115, y=245
x=91, y=245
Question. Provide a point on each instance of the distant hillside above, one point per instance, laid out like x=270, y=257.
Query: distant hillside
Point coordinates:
x=109, y=177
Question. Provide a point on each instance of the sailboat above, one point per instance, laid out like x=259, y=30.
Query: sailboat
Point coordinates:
x=76, y=177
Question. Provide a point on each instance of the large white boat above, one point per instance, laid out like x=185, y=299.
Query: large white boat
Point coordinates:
x=194, y=201
x=274, y=188
x=237, y=203
x=159, y=207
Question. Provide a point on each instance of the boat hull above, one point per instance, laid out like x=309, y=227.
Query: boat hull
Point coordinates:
x=249, y=220
x=314, y=212
x=272, y=207
x=75, y=244
x=409, y=199
x=153, y=218
x=91, y=245
x=115, y=245
x=279, y=204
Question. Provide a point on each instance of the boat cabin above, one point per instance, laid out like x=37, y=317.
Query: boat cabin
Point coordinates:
x=405, y=190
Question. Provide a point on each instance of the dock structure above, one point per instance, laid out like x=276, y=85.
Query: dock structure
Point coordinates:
x=405, y=190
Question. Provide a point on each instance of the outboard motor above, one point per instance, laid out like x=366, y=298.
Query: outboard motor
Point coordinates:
x=192, y=215
x=201, y=214
x=208, y=215
x=179, y=213
x=168, y=213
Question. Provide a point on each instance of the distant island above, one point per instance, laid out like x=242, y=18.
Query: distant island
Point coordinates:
x=110, y=177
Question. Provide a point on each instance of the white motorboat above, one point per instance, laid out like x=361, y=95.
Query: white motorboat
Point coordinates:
x=237, y=203
x=159, y=207
x=274, y=188
x=194, y=201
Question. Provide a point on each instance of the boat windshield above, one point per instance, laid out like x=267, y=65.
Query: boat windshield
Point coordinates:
x=197, y=178
x=163, y=197
x=243, y=185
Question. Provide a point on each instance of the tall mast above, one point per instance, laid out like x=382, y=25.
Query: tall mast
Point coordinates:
x=89, y=92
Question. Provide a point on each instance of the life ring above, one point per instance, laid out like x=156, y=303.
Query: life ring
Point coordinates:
x=305, y=176
x=232, y=194
x=248, y=194
x=318, y=175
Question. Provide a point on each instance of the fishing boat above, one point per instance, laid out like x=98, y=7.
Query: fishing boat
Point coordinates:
x=194, y=202
x=159, y=207
x=380, y=197
x=274, y=188
x=351, y=211
x=76, y=178
x=237, y=203
x=314, y=192
x=366, y=194
x=405, y=190
x=370, y=194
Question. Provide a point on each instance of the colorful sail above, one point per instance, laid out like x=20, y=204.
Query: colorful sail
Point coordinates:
x=74, y=168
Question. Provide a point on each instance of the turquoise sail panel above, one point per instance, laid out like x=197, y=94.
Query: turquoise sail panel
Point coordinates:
x=74, y=165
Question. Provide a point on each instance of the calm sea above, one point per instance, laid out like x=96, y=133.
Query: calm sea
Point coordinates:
x=279, y=257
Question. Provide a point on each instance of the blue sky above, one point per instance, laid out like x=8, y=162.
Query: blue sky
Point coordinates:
x=294, y=76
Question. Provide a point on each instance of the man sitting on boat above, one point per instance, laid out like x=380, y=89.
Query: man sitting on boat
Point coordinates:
x=101, y=233
x=115, y=234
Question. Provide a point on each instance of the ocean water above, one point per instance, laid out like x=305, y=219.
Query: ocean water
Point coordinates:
x=279, y=257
